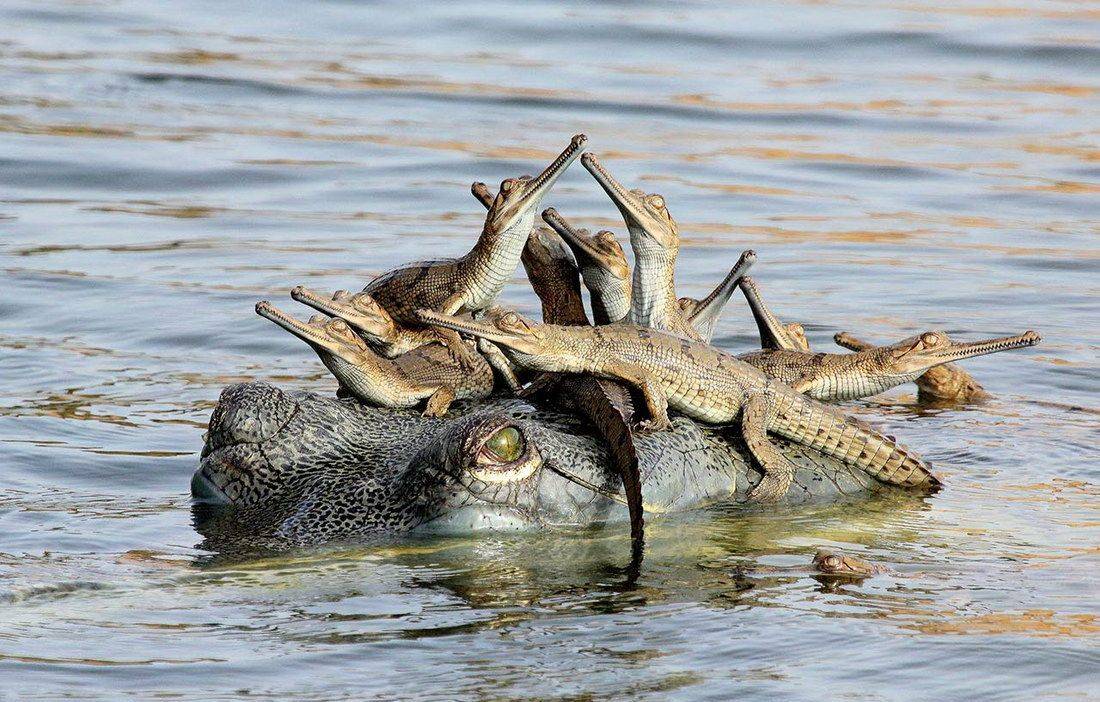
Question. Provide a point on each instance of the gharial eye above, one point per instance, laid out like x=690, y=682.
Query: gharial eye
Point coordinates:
x=507, y=184
x=930, y=339
x=506, y=445
x=833, y=561
x=657, y=201
x=338, y=325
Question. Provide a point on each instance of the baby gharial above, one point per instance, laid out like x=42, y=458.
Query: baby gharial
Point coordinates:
x=430, y=373
x=704, y=383
x=375, y=325
x=849, y=376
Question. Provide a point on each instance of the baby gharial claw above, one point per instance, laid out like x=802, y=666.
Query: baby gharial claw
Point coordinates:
x=649, y=426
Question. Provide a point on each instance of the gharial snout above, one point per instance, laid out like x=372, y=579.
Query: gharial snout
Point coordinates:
x=248, y=413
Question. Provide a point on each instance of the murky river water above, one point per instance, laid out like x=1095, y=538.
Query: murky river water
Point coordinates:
x=897, y=166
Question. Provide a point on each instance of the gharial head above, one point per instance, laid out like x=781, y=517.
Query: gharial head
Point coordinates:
x=327, y=336
x=601, y=251
x=932, y=348
x=646, y=214
x=533, y=346
x=828, y=563
x=360, y=310
x=518, y=199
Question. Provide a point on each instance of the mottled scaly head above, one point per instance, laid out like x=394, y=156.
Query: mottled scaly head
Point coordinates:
x=518, y=199
x=545, y=248
x=932, y=348
x=601, y=251
x=360, y=310
x=646, y=214
x=687, y=306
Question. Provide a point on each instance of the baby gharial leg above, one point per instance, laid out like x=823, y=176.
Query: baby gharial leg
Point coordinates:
x=778, y=469
x=439, y=401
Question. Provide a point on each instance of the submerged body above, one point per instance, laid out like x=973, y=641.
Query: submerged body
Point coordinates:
x=301, y=468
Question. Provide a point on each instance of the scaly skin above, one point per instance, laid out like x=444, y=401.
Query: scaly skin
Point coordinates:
x=605, y=404
x=299, y=468
x=603, y=267
x=849, y=376
x=430, y=372
x=655, y=238
x=553, y=274
x=370, y=319
x=944, y=383
x=472, y=282
x=704, y=314
x=706, y=384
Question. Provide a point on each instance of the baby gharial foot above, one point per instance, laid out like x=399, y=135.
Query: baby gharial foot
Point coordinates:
x=464, y=354
x=439, y=402
x=649, y=426
x=778, y=469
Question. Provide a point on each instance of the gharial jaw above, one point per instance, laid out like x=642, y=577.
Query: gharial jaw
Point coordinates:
x=359, y=310
x=915, y=355
x=326, y=336
x=645, y=214
x=518, y=199
x=533, y=346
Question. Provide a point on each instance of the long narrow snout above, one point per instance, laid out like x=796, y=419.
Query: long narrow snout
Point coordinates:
x=960, y=351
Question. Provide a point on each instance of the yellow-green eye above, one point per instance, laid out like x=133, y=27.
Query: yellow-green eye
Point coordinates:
x=506, y=445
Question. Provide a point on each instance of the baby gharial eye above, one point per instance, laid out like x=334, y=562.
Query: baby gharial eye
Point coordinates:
x=511, y=321
x=364, y=302
x=506, y=445
x=931, y=339
x=339, y=326
x=656, y=202
x=507, y=184
x=833, y=562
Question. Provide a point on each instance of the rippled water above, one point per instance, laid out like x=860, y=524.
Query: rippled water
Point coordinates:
x=897, y=165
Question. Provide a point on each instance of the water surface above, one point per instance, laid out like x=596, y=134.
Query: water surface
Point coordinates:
x=898, y=166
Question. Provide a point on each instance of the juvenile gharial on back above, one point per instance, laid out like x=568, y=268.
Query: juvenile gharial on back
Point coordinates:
x=704, y=383
x=471, y=283
x=655, y=239
x=430, y=373
x=603, y=268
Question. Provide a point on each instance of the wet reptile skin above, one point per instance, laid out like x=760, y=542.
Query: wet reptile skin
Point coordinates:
x=603, y=268
x=301, y=468
x=945, y=383
x=655, y=240
x=433, y=373
x=704, y=314
x=472, y=282
x=704, y=383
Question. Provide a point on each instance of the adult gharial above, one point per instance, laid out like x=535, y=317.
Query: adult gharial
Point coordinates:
x=456, y=415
